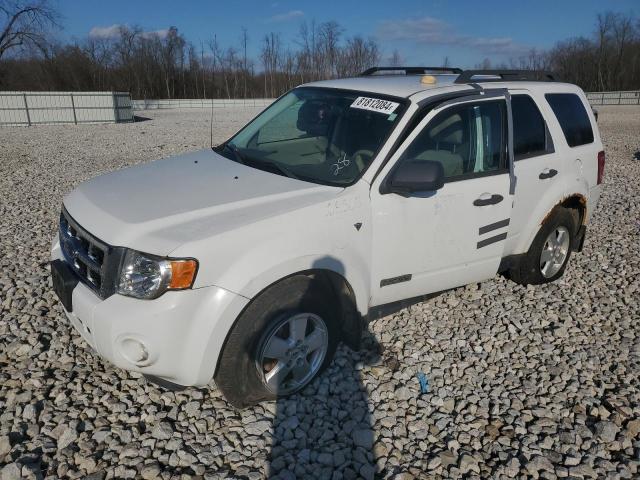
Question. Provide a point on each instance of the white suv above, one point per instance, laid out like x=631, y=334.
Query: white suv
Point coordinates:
x=249, y=262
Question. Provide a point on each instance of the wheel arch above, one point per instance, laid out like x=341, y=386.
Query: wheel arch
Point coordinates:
x=351, y=320
x=352, y=269
x=575, y=202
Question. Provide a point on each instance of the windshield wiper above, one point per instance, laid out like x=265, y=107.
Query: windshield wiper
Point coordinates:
x=235, y=151
x=258, y=162
x=270, y=163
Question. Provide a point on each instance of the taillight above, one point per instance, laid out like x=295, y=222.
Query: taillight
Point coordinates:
x=600, y=167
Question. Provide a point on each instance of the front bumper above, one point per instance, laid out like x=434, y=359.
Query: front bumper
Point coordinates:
x=176, y=337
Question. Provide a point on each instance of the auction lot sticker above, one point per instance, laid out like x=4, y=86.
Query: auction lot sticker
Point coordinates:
x=375, y=105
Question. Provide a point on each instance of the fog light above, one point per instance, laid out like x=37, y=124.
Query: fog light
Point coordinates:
x=134, y=351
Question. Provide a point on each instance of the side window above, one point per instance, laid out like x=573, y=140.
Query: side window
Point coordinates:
x=529, y=128
x=468, y=140
x=572, y=116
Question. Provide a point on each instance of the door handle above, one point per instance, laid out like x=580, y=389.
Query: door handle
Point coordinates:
x=547, y=173
x=488, y=200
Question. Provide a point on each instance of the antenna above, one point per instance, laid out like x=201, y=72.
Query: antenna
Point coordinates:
x=211, y=139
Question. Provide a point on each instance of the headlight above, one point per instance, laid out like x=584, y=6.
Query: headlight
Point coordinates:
x=147, y=276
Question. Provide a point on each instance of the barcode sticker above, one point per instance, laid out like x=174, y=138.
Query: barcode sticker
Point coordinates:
x=374, y=105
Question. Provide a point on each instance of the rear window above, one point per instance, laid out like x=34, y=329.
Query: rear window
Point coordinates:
x=529, y=129
x=572, y=116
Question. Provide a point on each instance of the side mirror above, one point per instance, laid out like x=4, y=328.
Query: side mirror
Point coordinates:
x=412, y=176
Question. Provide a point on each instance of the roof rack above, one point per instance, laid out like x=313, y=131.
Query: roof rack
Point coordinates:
x=411, y=70
x=469, y=76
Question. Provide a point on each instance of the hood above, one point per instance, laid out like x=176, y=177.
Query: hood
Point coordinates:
x=156, y=207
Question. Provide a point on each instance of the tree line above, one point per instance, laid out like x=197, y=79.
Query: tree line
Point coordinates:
x=168, y=65
x=609, y=60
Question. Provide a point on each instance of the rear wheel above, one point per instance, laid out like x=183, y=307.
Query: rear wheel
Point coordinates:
x=555, y=251
x=549, y=253
x=285, y=337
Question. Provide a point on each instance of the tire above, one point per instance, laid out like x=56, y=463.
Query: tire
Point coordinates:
x=271, y=313
x=530, y=270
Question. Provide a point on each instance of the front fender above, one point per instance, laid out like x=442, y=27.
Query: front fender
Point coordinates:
x=333, y=235
x=353, y=270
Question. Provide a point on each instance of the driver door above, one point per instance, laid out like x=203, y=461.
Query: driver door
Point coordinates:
x=432, y=241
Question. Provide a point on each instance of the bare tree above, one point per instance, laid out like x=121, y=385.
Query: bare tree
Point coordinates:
x=395, y=60
x=484, y=65
x=330, y=33
x=204, y=71
x=25, y=24
x=244, y=40
x=271, y=58
x=623, y=33
x=356, y=56
x=215, y=49
x=166, y=65
x=604, y=27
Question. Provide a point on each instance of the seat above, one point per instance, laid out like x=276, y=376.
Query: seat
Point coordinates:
x=452, y=163
x=445, y=144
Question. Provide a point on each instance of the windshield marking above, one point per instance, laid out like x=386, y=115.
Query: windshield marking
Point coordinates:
x=375, y=105
x=340, y=164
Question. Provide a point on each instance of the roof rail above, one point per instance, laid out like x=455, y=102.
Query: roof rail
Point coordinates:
x=410, y=70
x=469, y=76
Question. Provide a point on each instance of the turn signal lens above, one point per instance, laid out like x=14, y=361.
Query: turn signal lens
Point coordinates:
x=148, y=276
x=183, y=273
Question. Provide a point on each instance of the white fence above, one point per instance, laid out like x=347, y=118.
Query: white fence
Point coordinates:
x=595, y=98
x=34, y=108
x=198, y=103
x=614, y=98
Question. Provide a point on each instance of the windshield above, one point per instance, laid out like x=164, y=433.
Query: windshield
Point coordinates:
x=319, y=135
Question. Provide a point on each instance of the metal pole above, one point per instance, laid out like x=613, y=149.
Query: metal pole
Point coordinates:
x=73, y=106
x=115, y=107
x=26, y=107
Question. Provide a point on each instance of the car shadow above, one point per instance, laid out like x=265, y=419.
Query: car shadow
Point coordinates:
x=326, y=430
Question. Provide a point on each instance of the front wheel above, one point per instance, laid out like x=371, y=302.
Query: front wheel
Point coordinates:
x=285, y=337
x=292, y=352
x=549, y=253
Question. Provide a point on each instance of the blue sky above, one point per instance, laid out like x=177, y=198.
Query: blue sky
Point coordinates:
x=423, y=31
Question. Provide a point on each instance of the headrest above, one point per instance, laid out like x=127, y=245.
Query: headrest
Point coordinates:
x=449, y=130
x=314, y=118
x=454, y=137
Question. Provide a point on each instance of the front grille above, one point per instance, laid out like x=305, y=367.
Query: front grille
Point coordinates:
x=86, y=255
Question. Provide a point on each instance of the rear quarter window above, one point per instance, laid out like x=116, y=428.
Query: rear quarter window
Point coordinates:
x=529, y=128
x=572, y=116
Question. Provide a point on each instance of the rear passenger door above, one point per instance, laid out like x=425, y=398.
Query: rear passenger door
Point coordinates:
x=582, y=146
x=536, y=163
x=431, y=241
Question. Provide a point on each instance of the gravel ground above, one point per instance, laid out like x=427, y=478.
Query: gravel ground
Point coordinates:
x=540, y=381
